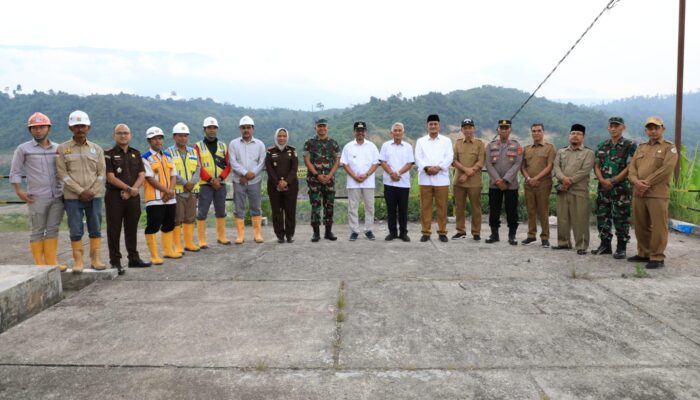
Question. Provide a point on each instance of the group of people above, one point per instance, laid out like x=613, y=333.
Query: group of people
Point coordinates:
x=180, y=184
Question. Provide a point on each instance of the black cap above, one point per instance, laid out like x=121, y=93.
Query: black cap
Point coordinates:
x=467, y=122
x=433, y=117
x=579, y=128
x=504, y=122
x=359, y=125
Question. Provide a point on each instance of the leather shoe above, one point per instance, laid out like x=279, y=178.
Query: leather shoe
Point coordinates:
x=290, y=239
x=425, y=238
x=120, y=269
x=638, y=258
x=512, y=242
x=654, y=264
x=390, y=237
x=477, y=237
x=138, y=264
x=561, y=248
x=443, y=238
x=405, y=237
x=581, y=252
x=492, y=239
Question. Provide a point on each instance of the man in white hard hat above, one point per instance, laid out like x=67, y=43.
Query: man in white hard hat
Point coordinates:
x=247, y=160
x=159, y=195
x=80, y=164
x=187, y=187
x=214, y=169
x=44, y=195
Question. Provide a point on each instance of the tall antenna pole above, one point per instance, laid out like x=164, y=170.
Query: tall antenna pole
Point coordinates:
x=679, y=84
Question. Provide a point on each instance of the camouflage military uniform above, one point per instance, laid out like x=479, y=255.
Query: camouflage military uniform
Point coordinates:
x=614, y=205
x=322, y=154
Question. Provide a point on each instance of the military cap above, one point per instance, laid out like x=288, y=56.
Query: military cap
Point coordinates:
x=616, y=120
x=504, y=122
x=321, y=121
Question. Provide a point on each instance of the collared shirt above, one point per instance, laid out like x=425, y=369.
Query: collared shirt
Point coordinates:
x=537, y=157
x=434, y=152
x=360, y=158
x=576, y=164
x=39, y=165
x=161, y=158
x=471, y=154
x=81, y=167
x=654, y=162
x=503, y=160
x=397, y=156
x=125, y=165
x=247, y=156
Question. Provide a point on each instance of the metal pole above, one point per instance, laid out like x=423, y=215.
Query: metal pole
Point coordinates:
x=679, y=84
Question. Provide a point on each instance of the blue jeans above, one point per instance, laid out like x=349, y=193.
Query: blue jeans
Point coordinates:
x=75, y=209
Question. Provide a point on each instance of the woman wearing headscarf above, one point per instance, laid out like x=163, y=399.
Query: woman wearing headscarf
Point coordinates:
x=281, y=163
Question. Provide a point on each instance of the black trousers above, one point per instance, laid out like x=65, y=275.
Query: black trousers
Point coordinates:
x=160, y=217
x=496, y=197
x=284, y=210
x=126, y=212
x=396, y=203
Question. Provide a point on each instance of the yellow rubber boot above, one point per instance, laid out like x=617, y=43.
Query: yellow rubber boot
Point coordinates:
x=95, y=254
x=166, y=240
x=202, y=233
x=50, y=253
x=177, y=241
x=221, y=231
x=77, y=256
x=257, y=228
x=153, y=248
x=188, y=230
x=37, y=252
x=240, y=230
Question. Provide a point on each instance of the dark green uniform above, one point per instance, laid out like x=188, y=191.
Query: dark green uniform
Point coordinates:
x=322, y=154
x=614, y=205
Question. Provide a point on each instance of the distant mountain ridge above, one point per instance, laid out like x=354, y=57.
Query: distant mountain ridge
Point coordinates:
x=486, y=105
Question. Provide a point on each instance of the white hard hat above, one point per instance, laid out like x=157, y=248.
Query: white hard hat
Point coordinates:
x=246, y=120
x=153, y=132
x=209, y=121
x=180, y=127
x=78, y=118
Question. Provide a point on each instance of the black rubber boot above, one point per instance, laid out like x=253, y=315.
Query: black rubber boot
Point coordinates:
x=621, y=251
x=317, y=233
x=604, y=248
x=329, y=235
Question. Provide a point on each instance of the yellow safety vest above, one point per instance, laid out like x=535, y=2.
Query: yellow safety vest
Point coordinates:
x=162, y=168
x=185, y=168
x=206, y=160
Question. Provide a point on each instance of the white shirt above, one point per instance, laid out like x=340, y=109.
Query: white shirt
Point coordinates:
x=434, y=152
x=360, y=158
x=397, y=156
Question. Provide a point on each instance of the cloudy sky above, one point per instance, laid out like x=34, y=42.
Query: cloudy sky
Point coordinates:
x=294, y=54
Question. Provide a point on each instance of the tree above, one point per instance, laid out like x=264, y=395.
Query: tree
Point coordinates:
x=320, y=106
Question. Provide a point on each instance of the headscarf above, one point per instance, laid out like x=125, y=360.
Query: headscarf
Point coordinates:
x=279, y=146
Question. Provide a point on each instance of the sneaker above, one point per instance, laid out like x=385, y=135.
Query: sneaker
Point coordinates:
x=477, y=238
x=459, y=235
x=405, y=237
x=443, y=238
x=369, y=235
x=425, y=238
x=290, y=239
x=581, y=252
x=353, y=236
x=528, y=241
x=545, y=243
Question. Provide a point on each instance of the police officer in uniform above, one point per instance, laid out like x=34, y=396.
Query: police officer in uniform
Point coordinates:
x=614, y=201
x=503, y=159
x=650, y=172
x=125, y=176
x=322, y=158
x=281, y=164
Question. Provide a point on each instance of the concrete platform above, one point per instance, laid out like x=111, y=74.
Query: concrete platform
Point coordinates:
x=369, y=320
x=26, y=290
x=73, y=281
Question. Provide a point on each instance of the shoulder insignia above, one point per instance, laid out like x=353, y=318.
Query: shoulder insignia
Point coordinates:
x=673, y=150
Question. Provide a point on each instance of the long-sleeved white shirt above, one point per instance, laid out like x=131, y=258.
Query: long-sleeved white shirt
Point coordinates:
x=434, y=152
x=247, y=156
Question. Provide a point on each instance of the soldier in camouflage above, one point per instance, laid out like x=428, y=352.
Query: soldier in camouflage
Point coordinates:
x=322, y=157
x=614, y=202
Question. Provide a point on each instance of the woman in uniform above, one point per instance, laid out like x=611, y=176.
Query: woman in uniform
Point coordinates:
x=281, y=163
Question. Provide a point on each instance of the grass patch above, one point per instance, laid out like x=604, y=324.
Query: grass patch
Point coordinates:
x=261, y=366
x=640, y=272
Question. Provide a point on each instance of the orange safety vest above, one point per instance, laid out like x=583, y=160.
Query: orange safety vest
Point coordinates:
x=162, y=168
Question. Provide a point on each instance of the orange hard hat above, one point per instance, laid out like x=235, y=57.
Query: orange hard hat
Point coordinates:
x=38, y=119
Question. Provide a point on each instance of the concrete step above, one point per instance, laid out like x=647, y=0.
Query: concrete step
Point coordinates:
x=26, y=290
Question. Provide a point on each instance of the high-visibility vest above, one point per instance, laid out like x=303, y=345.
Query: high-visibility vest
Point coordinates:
x=162, y=168
x=185, y=168
x=206, y=160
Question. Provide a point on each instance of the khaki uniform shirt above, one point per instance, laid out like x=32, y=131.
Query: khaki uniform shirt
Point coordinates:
x=80, y=167
x=577, y=164
x=654, y=162
x=469, y=153
x=536, y=158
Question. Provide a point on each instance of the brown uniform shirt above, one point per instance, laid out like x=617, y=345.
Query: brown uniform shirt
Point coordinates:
x=469, y=153
x=654, y=162
x=536, y=158
x=577, y=164
x=81, y=167
x=124, y=165
x=282, y=164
